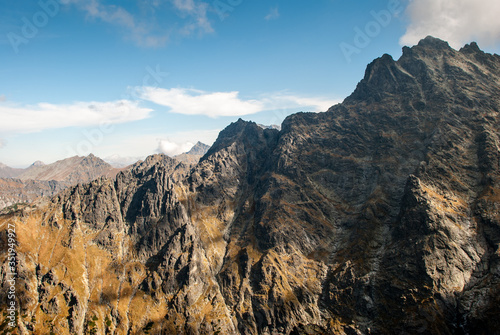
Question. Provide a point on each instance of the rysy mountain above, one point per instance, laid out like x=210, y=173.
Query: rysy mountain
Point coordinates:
x=379, y=216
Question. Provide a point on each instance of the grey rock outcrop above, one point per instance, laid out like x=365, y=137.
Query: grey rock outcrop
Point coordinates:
x=379, y=216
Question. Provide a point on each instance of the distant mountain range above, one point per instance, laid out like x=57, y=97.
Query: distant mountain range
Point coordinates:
x=193, y=155
x=39, y=179
x=378, y=216
x=8, y=172
x=71, y=170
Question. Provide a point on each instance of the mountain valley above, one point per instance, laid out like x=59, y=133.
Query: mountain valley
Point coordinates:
x=378, y=216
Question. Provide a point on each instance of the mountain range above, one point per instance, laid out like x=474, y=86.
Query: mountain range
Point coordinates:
x=39, y=179
x=378, y=216
x=8, y=172
x=25, y=185
x=194, y=154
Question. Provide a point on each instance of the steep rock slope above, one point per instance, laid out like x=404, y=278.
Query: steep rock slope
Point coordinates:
x=379, y=216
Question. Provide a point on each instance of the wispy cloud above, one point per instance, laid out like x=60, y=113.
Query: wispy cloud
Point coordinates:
x=273, y=14
x=196, y=12
x=3, y=143
x=184, y=5
x=215, y=104
x=17, y=118
x=457, y=22
x=132, y=147
x=144, y=29
x=196, y=102
x=141, y=32
x=33, y=118
x=3, y=98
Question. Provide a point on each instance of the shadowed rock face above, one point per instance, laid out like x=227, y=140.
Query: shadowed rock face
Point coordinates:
x=379, y=216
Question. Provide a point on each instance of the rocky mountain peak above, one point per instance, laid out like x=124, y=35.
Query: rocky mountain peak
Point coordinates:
x=155, y=163
x=37, y=163
x=242, y=132
x=194, y=154
x=471, y=48
x=94, y=161
x=379, y=216
x=91, y=156
x=432, y=43
x=158, y=159
x=198, y=149
x=431, y=70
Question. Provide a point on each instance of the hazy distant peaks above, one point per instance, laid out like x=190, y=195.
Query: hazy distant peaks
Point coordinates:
x=198, y=149
x=73, y=170
x=194, y=154
x=272, y=126
x=37, y=163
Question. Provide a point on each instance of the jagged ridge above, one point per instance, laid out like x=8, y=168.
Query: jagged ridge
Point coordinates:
x=378, y=216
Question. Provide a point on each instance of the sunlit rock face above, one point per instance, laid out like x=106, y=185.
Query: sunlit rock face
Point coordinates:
x=379, y=216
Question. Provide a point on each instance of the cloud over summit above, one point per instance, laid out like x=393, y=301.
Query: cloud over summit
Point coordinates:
x=456, y=21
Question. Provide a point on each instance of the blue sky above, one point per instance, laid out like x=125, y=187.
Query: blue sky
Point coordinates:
x=126, y=79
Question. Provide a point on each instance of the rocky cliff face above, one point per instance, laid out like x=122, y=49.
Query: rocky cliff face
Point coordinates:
x=379, y=216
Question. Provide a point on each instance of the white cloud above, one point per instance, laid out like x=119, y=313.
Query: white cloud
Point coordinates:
x=139, y=31
x=196, y=11
x=215, y=104
x=456, y=21
x=273, y=14
x=195, y=102
x=172, y=148
x=33, y=118
x=185, y=5
x=3, y=143
x=143, y=29
x=119, y=148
